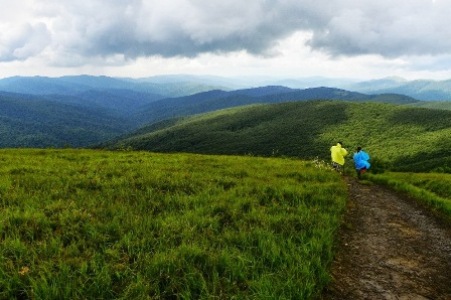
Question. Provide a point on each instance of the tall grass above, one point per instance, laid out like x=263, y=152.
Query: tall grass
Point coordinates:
x=85, y=224
x=431, y=189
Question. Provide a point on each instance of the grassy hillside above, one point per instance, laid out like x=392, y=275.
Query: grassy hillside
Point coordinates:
x=79, y=224
x=259, y=130
x=405, y=138
x=431, y=189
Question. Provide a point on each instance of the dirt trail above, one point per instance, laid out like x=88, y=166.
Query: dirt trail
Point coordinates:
x=390, y=248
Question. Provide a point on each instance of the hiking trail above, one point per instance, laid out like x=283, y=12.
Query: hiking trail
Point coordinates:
x=389, y=248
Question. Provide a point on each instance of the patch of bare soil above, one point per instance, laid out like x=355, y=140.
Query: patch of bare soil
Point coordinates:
x=390, y=248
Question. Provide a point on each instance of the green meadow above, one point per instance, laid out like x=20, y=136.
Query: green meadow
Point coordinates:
x=430, y=189
x=93, y=224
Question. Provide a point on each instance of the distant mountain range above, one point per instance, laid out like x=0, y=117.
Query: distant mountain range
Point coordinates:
x=81, y=111
x=158, y=87
x=170, y=86
x=427, y=90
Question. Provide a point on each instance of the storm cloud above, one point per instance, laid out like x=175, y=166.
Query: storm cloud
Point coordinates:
x=186, y=28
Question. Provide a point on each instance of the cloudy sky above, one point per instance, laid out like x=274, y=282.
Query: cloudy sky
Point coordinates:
x=359, y=39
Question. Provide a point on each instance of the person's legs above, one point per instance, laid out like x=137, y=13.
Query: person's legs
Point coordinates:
x=337, y=167
x=360, y=172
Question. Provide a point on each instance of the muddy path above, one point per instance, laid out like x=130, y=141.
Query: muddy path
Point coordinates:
x=390, y=248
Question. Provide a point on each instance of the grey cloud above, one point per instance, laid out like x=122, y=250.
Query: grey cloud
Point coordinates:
x=188, y=28
x=177, y=28
x=403, y=28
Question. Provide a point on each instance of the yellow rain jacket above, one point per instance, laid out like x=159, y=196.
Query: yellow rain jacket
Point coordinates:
x=338, y=154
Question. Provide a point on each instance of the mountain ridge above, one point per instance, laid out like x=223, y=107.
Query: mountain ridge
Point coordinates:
x=219, y=99
x=182, y=85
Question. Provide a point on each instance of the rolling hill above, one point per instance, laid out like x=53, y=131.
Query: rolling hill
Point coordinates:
x=219, y=99
x=398, y=137
x=83, y=110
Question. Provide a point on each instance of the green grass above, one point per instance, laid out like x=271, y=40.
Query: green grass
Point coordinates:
x=86, y=224
x=431, y=189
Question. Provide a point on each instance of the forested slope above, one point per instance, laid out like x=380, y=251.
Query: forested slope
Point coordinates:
x=33, y=121
x=400, y=137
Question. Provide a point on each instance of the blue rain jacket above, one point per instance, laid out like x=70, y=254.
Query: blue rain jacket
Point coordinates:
x=361, y=159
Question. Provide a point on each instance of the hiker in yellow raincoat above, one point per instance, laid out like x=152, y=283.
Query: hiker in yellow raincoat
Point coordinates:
x=338, y=154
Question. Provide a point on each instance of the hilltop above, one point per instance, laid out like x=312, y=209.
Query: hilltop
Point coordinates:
x=131, y=224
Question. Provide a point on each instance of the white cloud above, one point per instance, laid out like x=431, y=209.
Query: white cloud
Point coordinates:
x=21, y=42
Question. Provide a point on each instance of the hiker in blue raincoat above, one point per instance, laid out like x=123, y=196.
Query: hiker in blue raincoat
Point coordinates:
x=361, y=161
